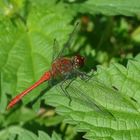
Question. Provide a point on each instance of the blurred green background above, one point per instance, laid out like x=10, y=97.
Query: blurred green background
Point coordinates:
x=109, y=33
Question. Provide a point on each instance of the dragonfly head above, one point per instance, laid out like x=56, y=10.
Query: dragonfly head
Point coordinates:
x=78, y=61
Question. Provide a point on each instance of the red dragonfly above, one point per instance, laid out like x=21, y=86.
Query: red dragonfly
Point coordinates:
x=65, y=68
x=61, y=67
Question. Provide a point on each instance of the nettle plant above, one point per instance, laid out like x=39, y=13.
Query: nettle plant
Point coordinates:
x=104, y=106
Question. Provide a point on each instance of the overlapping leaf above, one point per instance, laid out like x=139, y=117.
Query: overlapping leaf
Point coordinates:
x=26, y=50
x=115, y=88
x=15, y=132
x=113, y=7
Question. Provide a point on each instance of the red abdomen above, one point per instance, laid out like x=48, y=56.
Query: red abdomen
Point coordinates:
x=61, y=66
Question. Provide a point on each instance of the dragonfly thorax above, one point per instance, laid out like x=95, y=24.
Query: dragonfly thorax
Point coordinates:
x=66, y=65
x=78, y=61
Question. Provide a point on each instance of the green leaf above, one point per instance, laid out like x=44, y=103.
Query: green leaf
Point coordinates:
x=25, y=116
x=27, y=135
x=43, y=136
x=112, y=7
x=136, y=34
x=109, y=89
x=55, y=136
x=15, y=132
x=26, y=50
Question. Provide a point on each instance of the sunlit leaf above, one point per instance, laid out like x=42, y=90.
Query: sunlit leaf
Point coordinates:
x=109, y=88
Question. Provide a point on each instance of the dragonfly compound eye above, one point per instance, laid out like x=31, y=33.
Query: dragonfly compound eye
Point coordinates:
x=79, y=61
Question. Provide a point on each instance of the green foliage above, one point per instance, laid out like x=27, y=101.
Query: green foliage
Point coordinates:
x=113, y=93
x=109, y=33
x=113, y=7
x=24, y=134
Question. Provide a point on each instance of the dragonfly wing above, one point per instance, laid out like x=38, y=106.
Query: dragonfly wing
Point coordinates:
x=55, y=50
x=60, y=53
x=78, y=95
x=71, y=38
x=90, y=102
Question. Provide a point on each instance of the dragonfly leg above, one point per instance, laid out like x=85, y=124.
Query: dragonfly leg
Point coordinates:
x=71, y=80
x=64, y=89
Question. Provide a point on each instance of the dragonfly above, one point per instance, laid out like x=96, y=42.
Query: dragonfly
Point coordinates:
x=61, y=67
x=65, y=69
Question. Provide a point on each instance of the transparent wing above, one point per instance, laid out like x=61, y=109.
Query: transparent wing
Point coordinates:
x=76, y=94
x=98, y=97
x=56, y=53
x=70, y=40
x=55, y=50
